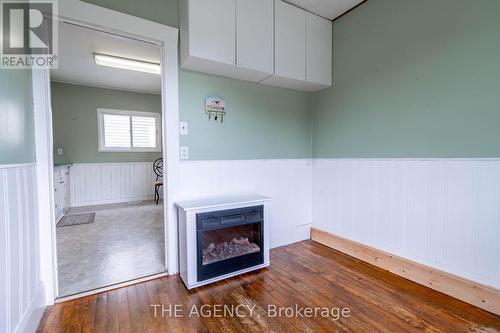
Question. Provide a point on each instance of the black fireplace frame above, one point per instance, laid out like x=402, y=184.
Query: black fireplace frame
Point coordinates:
x=226, y=219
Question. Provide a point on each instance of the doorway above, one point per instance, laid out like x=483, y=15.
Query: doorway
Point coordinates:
x=95, y=17
x=107, y=148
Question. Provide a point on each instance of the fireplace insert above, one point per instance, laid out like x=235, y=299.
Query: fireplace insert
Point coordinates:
x=229, y=240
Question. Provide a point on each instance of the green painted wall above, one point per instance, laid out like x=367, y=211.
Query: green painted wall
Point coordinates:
x=413, y=79
x=261, y=122
x=74, y=117
x=17, y=131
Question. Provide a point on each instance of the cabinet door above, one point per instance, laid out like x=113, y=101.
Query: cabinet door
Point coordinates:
x=58, y=199
x=61, y=190
x=254, y=35
x=290, y=41
x=212, y=30
x=67, y=191
x=319, y=50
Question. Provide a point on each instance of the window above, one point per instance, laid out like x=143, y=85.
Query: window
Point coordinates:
x=128, y=131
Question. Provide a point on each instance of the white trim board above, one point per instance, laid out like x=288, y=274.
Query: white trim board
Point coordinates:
x=45, y=182
x=409, y=159
x=111, y=202
x=99, y=18
x=104, y=87
x=13, y=166
x=110, y=163
x=34, y=313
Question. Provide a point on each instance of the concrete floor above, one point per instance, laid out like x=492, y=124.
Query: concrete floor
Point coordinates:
x=125, y=242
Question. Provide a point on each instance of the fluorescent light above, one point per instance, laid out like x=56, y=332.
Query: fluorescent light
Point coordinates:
x=127, y=63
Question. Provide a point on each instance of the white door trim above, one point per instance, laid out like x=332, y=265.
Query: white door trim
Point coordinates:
x=88, y=15
x=45, y=183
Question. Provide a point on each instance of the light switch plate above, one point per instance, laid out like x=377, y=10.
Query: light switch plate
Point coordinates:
x=184, y=153
x=59, y=151
x=183, y=128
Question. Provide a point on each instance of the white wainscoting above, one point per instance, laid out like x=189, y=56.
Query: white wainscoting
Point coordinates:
x=286, y=182
x=21, y=290
x=105, y=183
x=444, y=213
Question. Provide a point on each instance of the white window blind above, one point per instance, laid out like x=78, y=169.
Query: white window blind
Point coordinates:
x=128, y=130
x=116, y=131
x=144, y=132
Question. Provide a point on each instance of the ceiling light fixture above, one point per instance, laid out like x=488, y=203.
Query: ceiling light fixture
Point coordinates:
x=127, y=63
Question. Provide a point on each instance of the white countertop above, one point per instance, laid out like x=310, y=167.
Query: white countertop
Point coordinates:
x=220, y=201
x=63, y=165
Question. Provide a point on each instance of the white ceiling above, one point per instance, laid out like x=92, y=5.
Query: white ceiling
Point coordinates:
x=330, y=9
x=76, y=60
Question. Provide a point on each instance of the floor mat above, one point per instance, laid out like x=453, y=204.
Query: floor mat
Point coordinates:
x=69, y=220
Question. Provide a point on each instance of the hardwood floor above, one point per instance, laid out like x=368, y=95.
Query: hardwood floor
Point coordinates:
x=306, y=274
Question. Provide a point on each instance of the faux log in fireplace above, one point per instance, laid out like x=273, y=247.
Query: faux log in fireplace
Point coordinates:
x=220, y=238
x=229, y=240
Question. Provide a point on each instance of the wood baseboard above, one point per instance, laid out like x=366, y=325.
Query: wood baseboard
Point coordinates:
x=482, y=296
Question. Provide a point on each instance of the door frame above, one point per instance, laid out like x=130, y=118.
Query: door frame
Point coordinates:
x=99, y=18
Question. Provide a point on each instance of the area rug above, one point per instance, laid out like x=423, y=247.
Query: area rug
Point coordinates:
x=69, y=220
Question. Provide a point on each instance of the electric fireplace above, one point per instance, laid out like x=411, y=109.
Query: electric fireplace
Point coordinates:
x=220, y=238
x=229, y=240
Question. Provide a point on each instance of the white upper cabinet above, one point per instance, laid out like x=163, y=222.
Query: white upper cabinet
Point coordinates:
x=303, y=49
x=318, y=50
x=254, y=35
x=265, y=41
x=211, y=30
x=290, y=32
x=232, y=38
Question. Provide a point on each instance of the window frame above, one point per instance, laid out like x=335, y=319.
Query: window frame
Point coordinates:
x=131, y=113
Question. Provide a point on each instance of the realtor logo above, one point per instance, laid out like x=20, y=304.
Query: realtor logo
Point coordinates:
x=29, y=34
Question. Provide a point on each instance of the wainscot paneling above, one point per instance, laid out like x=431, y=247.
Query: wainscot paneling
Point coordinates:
x=21, y=292
x=443, y=213
x=104, y=183
x=286, y=182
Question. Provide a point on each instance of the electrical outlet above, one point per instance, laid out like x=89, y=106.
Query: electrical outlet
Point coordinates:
x=59, y=151
x=184, y=153
x=183, y=128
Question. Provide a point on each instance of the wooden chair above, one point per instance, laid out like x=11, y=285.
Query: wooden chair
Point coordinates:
x=158, y=183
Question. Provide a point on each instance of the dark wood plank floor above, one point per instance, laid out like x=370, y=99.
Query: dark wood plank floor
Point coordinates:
x=307, y=274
